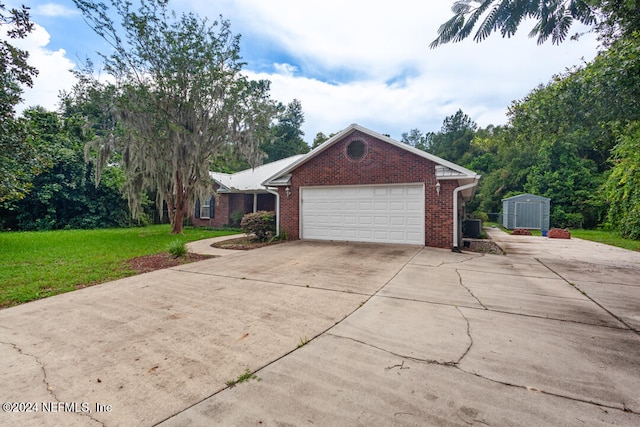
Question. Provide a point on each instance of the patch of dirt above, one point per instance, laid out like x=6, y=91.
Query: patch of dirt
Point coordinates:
x=484, y=246
x=243, y=243
x=147, y=263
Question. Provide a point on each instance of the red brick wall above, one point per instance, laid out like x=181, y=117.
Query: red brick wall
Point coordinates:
x=221, y=213
x=382, y=163
x=227, y=204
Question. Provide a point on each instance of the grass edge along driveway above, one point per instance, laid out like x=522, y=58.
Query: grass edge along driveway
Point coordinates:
x=40, y=264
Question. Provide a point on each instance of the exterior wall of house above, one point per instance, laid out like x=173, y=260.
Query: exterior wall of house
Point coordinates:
x=220, y=214
x=226, y=204
x=382, y=163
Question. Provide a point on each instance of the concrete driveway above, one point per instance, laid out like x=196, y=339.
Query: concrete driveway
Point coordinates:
x=393, y=335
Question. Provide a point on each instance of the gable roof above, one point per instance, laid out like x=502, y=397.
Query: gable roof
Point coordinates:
x=444, y=169
x=250, y=180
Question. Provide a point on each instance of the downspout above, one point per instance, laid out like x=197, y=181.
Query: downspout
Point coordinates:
x=455, y=212
x=275, y=193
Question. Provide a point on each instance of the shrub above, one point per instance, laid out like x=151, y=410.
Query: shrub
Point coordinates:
x=262, y=224
x=236, y=218
x=178, y=248
x=482, y=216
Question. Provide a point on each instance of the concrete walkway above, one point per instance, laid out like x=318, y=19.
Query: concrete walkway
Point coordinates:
x=204, y=246
x=387, y=335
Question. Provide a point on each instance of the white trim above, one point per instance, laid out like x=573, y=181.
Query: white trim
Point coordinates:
x=455, y=211
x=275, y=193
x=464, y=173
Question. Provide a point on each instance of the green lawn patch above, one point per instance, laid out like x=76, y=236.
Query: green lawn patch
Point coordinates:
x=607, y=237
x=36, y=265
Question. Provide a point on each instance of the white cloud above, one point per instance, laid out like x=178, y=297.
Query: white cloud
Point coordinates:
x=363, y=61
x=285, y=69
x=55, y=10
x=54, y=71
x=394, y=81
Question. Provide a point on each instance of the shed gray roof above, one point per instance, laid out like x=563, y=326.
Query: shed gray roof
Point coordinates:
x=526, y=196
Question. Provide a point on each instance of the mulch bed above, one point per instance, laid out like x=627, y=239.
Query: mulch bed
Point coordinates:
x=243, y=244
x=145, y=264
x=484, y=246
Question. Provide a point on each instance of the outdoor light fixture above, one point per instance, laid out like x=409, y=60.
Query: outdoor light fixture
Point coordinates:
x=288, y=191
x=438, y=187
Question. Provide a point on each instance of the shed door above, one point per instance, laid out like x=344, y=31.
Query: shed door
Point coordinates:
x=385, y=214
x=529, y=215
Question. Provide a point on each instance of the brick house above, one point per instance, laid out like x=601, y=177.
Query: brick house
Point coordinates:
x=238, y=194
x=363, y=186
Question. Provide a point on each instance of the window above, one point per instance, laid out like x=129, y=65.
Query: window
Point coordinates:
x=205, y=209
x=356, y=149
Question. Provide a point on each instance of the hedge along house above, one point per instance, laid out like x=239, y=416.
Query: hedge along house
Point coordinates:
x=238, y=194
x=526, y=211
x=366, y=187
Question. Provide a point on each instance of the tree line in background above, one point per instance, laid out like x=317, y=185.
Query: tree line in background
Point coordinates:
x=144, y=142
x=575, y=140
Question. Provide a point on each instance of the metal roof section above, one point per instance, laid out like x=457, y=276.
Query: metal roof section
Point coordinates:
x=448, y=169
x=250, y=180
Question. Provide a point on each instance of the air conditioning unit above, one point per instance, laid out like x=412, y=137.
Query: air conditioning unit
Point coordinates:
x=472, y=228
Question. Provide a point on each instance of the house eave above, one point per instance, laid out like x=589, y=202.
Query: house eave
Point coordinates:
x=459, y=171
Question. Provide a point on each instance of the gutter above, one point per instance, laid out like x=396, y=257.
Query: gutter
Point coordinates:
x=455, y=212
x=275, y=193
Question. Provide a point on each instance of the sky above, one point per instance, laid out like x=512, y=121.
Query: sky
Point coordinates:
x=347, y=61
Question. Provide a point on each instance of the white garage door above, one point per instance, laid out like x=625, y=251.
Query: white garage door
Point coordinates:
x=386, y=214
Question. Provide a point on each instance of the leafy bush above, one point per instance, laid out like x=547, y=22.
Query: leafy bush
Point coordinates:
x=482, y=216
x=178, y=248
x=562, y=219
x=236, y=217
x=261, y=223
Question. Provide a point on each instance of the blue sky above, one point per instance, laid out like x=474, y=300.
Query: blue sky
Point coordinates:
x=353, y=61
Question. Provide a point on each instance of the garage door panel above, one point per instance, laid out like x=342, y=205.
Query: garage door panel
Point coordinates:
x=414, y=206
x=397, y=220
x=365, y=220
x=391, y=214
x=414, y=221
x=381, y=220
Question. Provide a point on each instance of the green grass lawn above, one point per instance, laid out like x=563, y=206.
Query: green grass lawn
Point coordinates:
x=607, y=237
x=36, y=265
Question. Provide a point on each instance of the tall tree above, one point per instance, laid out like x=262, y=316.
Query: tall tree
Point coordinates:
x=454, y=139
x=623, y=185
x=180, y=99
x=553, y=19
x=287, y=134
x=20, y=158
x=416, y=138
x=320, y=139
x=64, y=196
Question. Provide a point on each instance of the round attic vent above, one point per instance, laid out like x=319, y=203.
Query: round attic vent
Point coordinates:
x=356, y=149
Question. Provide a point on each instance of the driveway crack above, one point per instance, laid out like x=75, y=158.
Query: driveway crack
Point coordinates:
x=469, y=290
x=468, y=335
x=573, y=285
x=622, y=406
x=403, y=356
x=45, y=379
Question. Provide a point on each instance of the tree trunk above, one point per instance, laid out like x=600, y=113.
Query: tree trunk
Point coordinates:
x=178, y=217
